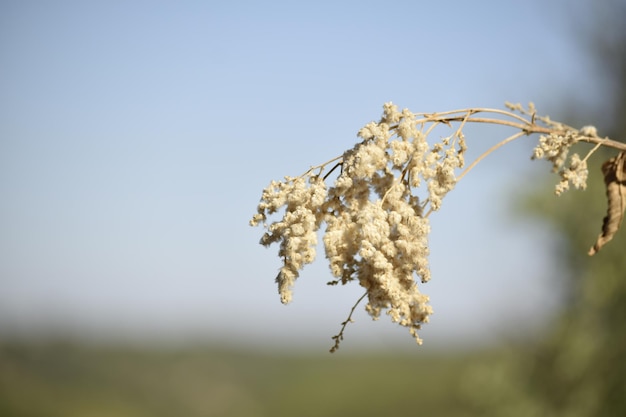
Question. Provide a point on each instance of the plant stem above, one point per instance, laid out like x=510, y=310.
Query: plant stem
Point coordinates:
x=488, y=151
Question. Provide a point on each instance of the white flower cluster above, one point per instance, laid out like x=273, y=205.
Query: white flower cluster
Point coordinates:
x=376, y=225
x=555, y=147
x=296, y=232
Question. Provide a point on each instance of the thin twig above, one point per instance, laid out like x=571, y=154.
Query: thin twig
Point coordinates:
x=331, y=170
x=527, y=127
x=488, y=151
x=431, y=116
x=321, y=166
x=595, y=148
x=339, y=337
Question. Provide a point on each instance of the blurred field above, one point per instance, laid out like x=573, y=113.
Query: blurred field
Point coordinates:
x=68, y=379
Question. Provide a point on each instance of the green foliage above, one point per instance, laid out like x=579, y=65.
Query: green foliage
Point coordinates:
x=580, y=367
x=71, y=380
x=577, y=367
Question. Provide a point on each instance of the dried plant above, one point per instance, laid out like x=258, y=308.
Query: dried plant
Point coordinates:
x=376, y=207
x=614, y=171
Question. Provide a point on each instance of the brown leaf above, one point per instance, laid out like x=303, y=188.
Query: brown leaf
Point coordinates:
x=614, y=171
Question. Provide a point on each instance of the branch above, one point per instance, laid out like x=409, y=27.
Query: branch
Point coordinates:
x=339, y=336
x=377, y=210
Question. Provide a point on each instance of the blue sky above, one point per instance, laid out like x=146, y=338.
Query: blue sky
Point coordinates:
x=136, y=137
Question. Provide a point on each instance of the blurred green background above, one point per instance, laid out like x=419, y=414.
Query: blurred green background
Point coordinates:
x=575, y=365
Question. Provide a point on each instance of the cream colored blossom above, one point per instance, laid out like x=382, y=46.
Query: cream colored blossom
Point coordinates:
x=376, y=205
x=576, y=174
x=376, y=231
x=391, y=115
x=401, y=152
x=555, y=147
x=297, y=230
x=589, y=131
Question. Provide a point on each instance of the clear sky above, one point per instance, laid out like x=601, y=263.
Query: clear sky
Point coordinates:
x=136, y=137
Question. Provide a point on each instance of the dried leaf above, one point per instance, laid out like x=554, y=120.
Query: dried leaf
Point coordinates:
x=614, y=171
x=620, y=173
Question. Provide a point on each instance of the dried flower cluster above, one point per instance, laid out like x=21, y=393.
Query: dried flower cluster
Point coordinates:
x=376, y=230
x=376, y=210
x=303, y=199
x=555, y=145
